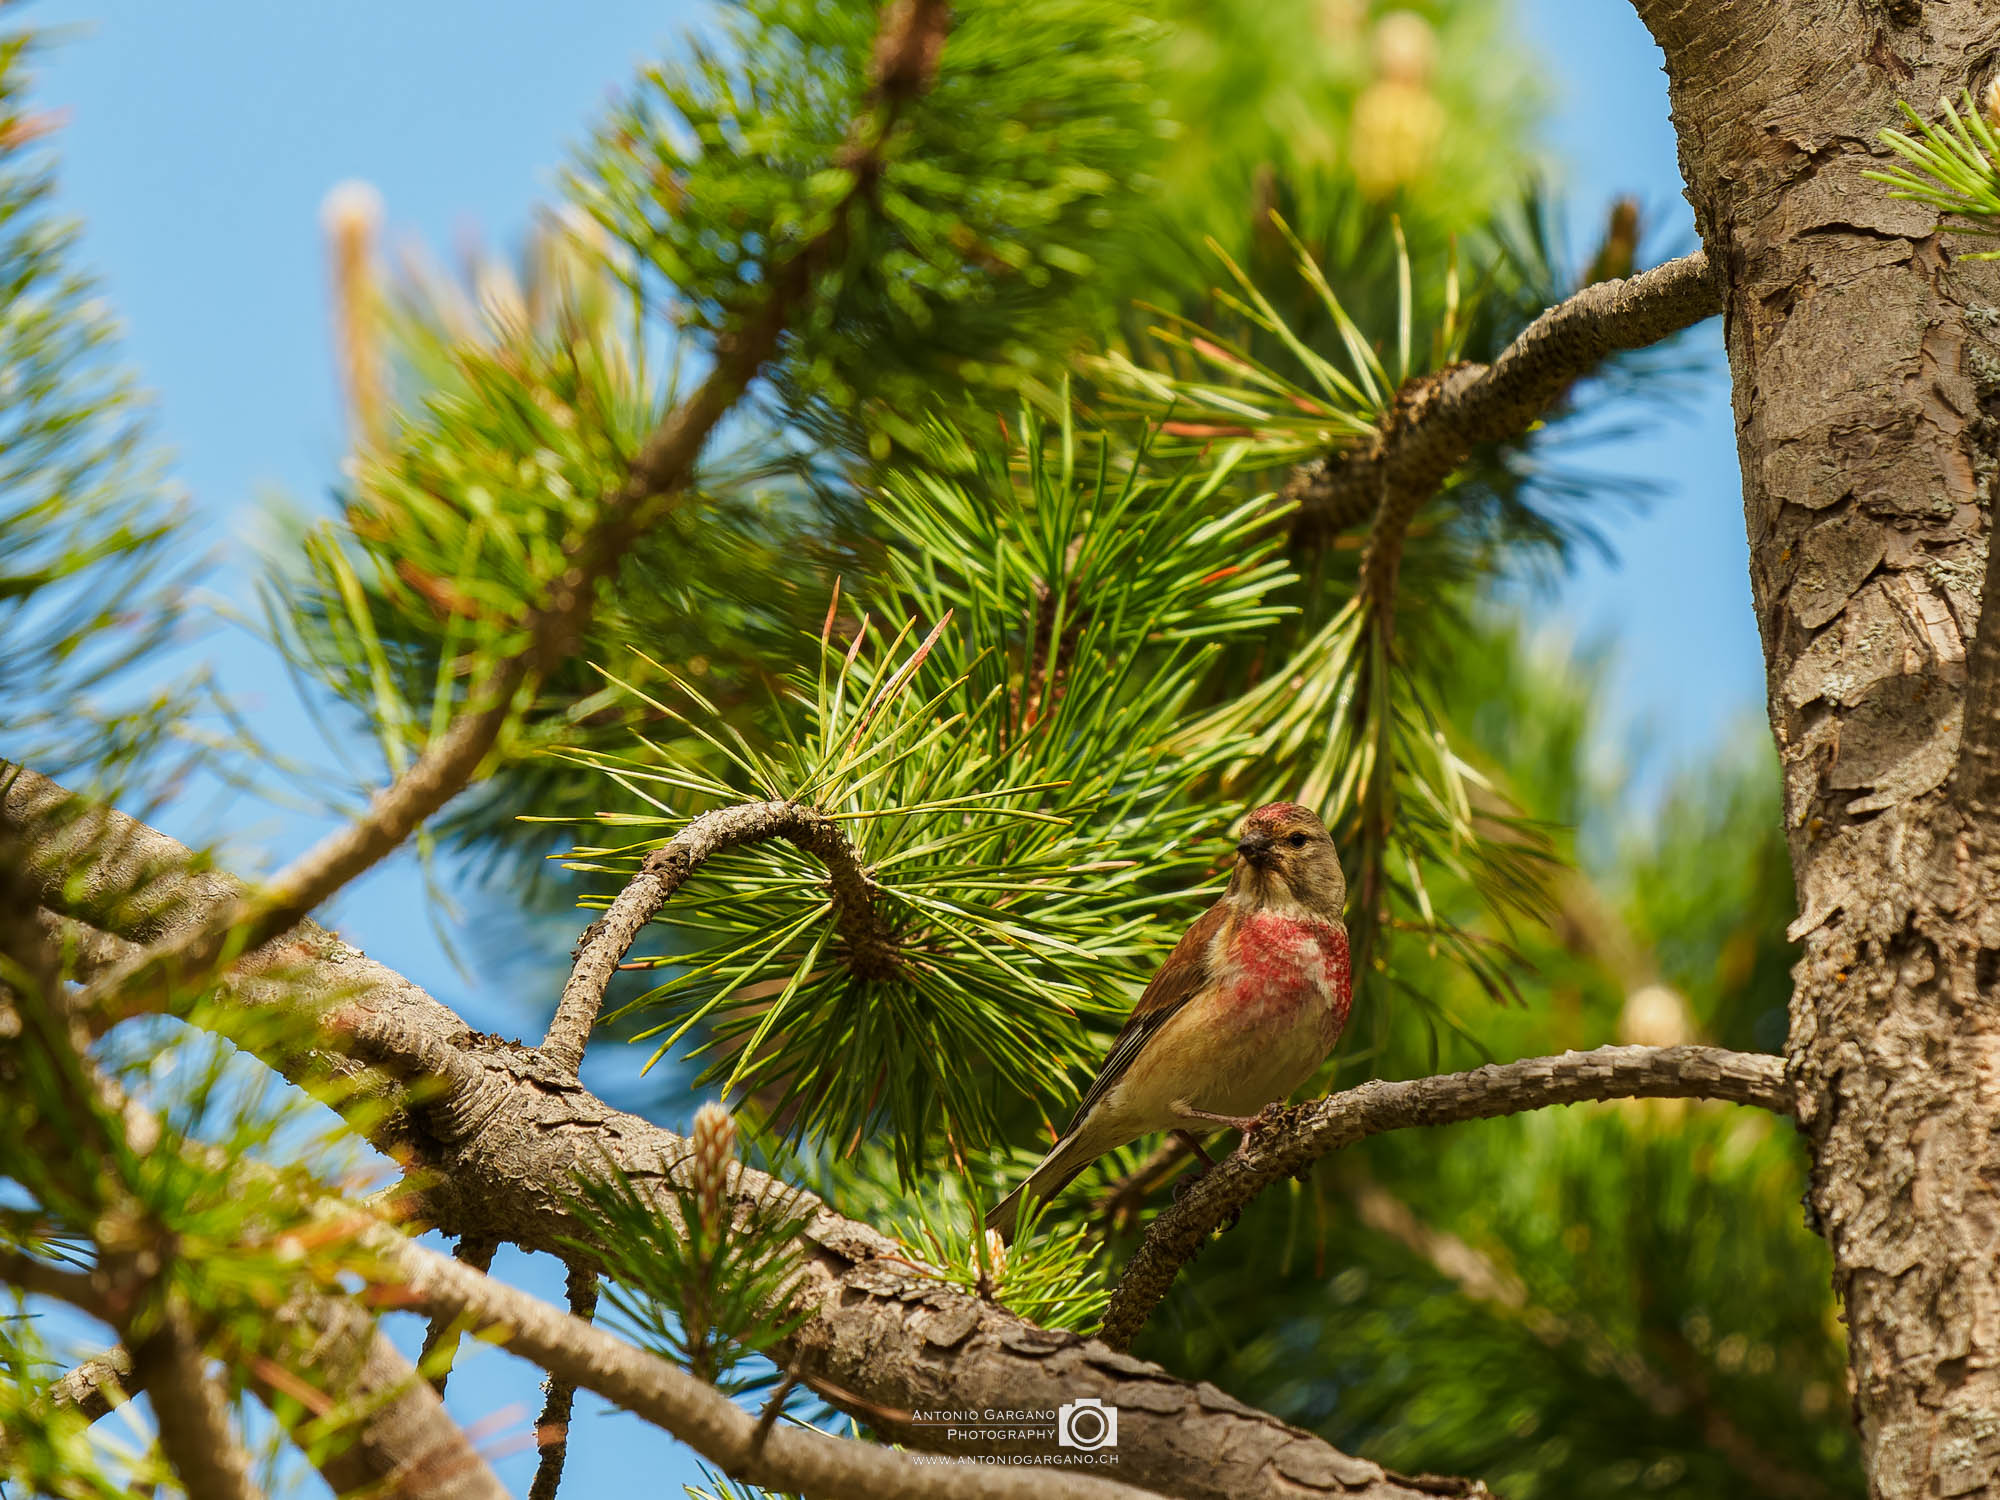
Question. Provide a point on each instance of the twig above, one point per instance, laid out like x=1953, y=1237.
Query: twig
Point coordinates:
x=1120, y=1203
x=98, y=1386
x=606, y=941
x=440, y=1347
x=552, y=1427
x=772, y=1408
x=1311, y=1131
x=190, y=1412
x=1440, y=418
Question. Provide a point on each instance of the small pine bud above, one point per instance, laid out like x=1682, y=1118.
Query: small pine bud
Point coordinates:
x=714, y=1137
x=1406, y=48
x=351, y=217
x=1989, y=103
x=996, y=1256
x=1655, y=1016
x=1397, y=121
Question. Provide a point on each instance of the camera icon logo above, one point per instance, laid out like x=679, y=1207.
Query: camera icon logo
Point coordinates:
x=1087, y=1424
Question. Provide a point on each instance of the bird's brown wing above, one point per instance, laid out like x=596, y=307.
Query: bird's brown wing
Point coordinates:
x=1180, y=978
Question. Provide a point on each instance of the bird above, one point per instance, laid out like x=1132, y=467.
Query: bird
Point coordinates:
x=1246, y=1007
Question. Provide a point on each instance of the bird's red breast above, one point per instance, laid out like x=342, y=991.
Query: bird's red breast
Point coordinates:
x=1280, y=960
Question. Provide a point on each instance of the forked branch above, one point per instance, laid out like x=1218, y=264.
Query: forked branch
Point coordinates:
x=1439, y=419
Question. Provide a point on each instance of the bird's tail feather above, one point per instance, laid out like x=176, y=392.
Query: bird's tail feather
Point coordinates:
x=1054, y=1173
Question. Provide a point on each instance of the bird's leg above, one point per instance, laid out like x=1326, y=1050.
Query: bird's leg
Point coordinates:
x=1269, y=1115
x=1182, y=1184
x=1186, y=1138
x=1235, y=1122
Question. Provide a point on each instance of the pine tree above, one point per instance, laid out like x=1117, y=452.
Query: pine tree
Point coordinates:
x=932, y=473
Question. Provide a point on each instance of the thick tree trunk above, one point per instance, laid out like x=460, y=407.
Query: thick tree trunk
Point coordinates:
x=1867, y=395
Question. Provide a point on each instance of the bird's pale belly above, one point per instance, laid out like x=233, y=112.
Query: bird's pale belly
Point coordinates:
x=1270, y=1051
x=1245, y=1055
x=1278, y=1006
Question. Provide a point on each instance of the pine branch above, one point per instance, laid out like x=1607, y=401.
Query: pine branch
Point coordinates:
x=495, y=1125
x=399, y=1432
x=191, y=1414
x=607, y=940
x=800, y=1459
x=98, y=1386
x=405, y=1435
x=397, y=1437
x=435, y=1359
x=552, y=1427
x=1308, y=1132
x=1439, y=419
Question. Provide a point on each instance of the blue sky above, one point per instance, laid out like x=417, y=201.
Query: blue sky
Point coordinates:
x=200, y=140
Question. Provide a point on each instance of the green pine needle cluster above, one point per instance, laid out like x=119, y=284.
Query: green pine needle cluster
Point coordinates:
x=90, y=577
x=1008, y=780
x=701, y=1285
x=1952, y=167
x=967, y=239
x=1052, y=1274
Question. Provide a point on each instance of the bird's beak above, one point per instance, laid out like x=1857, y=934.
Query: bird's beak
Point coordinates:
x=1255, y=847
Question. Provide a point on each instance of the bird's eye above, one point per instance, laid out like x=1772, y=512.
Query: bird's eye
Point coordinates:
x=1297, y=841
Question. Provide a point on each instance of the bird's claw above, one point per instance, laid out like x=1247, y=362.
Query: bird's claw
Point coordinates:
x=1266, y=1117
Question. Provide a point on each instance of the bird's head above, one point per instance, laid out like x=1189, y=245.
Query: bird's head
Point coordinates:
x=1286, y=854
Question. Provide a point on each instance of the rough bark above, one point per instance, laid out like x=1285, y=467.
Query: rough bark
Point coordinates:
x=398, y=1437
x=1866, y=392
x=98, y=1386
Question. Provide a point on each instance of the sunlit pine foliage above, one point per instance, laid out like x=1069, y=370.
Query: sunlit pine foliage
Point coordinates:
x=1053, y=1273
x=1006, y=779
x=964, y=256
